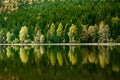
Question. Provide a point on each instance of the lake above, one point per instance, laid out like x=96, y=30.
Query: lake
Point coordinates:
x=80, y=62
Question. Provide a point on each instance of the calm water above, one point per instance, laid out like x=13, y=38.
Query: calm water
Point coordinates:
x=59, y=62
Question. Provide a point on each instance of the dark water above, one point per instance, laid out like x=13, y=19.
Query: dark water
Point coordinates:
x=59, y=63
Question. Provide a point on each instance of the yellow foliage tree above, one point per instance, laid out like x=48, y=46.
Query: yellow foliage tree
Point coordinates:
x=23, y=34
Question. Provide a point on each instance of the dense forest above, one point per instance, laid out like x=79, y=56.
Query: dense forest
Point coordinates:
x=63, y=21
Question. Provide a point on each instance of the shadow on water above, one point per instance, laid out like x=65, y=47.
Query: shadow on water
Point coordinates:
x=59, y=62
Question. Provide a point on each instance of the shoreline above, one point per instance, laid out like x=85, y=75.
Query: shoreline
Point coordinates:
x=62, y=44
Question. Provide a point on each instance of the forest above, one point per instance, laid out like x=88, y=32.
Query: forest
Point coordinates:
x=62, y=21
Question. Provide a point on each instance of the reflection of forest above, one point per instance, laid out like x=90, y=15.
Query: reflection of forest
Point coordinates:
x=66, y=63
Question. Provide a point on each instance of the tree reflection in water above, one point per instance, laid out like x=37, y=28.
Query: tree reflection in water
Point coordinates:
x=38, y=52
x=72, y=55
x=60, y=62
x=9, y=51
x=104, y=54
x=24, y=53
x=2, y=52
x=60, y=57
x=89, y=54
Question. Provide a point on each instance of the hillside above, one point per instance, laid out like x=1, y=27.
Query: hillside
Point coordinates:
x=62, y=21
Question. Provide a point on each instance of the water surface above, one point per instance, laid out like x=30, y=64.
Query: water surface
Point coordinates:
x=59, y=62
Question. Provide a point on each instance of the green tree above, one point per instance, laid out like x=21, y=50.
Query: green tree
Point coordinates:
x=73, y=31
x=23, y=34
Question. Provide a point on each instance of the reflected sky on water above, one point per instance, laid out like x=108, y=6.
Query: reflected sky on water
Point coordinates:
x=59, y=62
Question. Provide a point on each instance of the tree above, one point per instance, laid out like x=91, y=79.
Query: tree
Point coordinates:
x=51, y=34
x=84, y=34
x=42, y=38
x=104, y=32
x=92, y=33
x=39, y=37
x=23, y=34
x=10, y=37
x=60, y=31
x=52, y=30
x=115, y=30
x=73, y=30
x=1, y=36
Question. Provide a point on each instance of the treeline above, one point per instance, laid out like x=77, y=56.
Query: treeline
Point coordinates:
x=63, y=21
